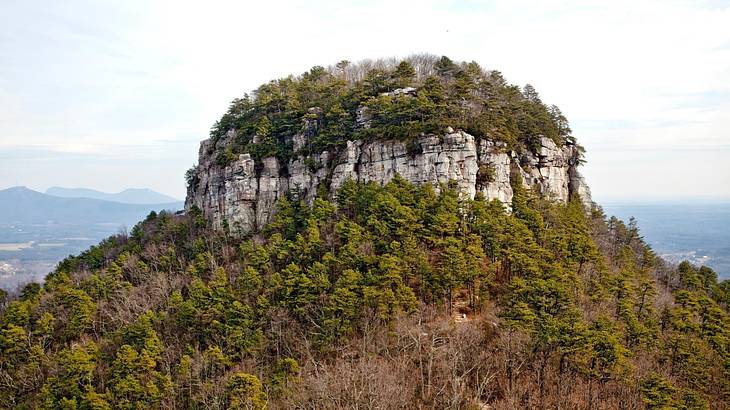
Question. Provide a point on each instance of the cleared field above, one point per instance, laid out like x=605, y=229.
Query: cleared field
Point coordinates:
x=15, y=246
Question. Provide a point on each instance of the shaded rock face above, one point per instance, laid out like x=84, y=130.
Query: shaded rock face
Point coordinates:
x=241, y=196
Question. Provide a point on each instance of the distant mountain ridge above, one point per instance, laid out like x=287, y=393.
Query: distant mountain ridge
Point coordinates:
x=128, y=196
x=344, y=226
x=23, y=205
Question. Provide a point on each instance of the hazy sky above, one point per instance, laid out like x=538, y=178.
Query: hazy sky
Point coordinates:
x=111, y=95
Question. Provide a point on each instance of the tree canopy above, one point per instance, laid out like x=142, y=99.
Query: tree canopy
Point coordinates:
x=401, y=294
x=386, y=99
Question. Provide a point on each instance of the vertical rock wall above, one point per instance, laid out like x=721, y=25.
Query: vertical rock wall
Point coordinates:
x=243, y=198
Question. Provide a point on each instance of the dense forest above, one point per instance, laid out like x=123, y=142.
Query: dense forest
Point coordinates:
x=395, y=296
x=387, y=297
x=387, y=99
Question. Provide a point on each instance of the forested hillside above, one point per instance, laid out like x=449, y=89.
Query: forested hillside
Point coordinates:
x=386, y=297
x=374, y=296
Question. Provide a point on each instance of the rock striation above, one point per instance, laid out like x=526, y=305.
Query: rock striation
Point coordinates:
x=241, y=196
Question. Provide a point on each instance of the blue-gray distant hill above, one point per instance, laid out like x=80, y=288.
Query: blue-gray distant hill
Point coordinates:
x=128, y=196
x=20, y=205
x=695, y=231
x=38, y=230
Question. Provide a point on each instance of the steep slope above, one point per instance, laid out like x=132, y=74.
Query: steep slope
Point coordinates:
x=383, y=294
x=243, y=196
x=25, y=206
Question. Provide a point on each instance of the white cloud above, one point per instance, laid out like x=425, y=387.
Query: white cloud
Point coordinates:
x=91, y=77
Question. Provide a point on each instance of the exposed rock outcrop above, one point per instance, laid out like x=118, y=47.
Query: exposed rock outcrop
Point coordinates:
x=241, y=196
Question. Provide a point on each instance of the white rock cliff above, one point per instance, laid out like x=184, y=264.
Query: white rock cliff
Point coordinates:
x=242, y=196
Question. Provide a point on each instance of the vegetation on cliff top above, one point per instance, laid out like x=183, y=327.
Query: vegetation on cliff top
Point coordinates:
x=387, y=99
x=399, y=296
x=393, y=297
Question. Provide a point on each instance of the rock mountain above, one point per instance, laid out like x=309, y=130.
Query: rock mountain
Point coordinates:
x=525, y=301
x=244, y=196
x=431, y=122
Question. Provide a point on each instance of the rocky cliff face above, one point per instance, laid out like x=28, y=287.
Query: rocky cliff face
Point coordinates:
x=242, y=195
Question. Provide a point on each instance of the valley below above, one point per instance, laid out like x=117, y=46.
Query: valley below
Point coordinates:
x=677, y=231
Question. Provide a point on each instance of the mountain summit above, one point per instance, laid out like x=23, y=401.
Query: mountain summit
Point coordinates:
x=429, y=120
x=391, y=234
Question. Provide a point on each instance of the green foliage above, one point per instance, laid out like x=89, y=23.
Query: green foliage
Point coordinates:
x=404, y=74
x=77, y=310
x=73, y=381
x=657, y=392
x=246, y=392
x=486, y=174
x=286, y=372
x=322, y=106
x=135, y=381
x=226, y=157
x=607, y=354
x=175, y=315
